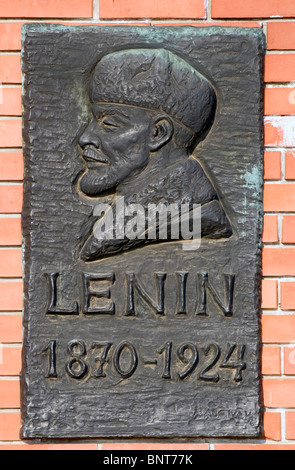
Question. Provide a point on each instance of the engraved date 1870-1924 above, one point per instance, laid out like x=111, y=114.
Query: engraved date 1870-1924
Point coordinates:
x=172, y=362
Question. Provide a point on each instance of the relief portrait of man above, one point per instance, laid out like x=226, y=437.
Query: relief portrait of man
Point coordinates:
x=150, y=110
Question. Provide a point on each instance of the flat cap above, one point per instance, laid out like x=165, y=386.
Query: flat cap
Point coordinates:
x=155, y=79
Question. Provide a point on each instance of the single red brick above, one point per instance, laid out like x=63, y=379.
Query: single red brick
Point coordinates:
x=167, y=447
x=278, y=261
x=9, y=394
x=152, y=9
x=279, y=101
x=278, y=328
x=280, y=131
x=290, y=424
x=10, y=102
x=11, y=296
x=269, y=294
x=10, y=426
x=67, y=447
x=11, y=262
x=10, y=133
x=10, y=231
x=288, y=229
x=288, y=295
x=272, y=165
x=279, y=392
x=11, y=166
x=233, y=24
x=105, y=23
x=270, y=229
x=271, y=360
x=11, y=199
x=281, y=35
x=259, y=447
x=10, y=69
x=10, y=360
x=290, y=166
x=289, y=361
x=252, y=8
x=272, y=426
x=279, y=67
x=46, y=9
x=10, y=36
x=279, y=197
x=10, y=327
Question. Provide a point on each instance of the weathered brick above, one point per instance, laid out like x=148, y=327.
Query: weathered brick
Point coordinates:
x=259, y=447
x=252, y=8
x=10, y=69
x=290, y=424
x=289, y=361
x=278, y=261
x=288, y=235
x=10, y=102
x=279, y=392
x=10, y=231
x=117, y=9
x=11, y=296
x=11, y=198
x=11, y=262
x=272, y=426
x=279, y=197
x=270, y=229
x=10, y=325
x=10, y=36
x=159, y=446
x=271, y=360
x=46, y=9
x=61, y=447
x=290, y=166
x=288, y=295
x=269, y=294
x=9, y=394
x=10, y=360
x=279, y=101
x=280, y=131
x=272, y=165
x=279, y=67
x=278, y=328
x=281, y=35
x=10, y=133
x=9, y=426
x=230, y=24
x=11, y=166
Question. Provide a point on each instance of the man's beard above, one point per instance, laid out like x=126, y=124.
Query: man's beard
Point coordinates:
x=96, y=182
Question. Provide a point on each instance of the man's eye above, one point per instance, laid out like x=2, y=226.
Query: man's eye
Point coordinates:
x=109, y=123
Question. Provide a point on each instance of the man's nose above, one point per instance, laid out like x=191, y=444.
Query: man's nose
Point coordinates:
x=90, y=136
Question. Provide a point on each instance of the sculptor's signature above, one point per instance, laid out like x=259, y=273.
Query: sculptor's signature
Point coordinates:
x=238, y=415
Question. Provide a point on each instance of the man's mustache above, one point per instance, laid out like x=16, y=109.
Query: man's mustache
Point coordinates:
x=92, y=154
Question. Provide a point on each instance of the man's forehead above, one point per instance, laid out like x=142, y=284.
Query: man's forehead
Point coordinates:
x=123, y=110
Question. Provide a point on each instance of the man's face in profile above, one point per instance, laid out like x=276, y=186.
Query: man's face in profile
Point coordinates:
x=115, y=146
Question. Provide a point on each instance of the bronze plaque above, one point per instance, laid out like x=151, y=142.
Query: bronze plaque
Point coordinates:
x=142, y=231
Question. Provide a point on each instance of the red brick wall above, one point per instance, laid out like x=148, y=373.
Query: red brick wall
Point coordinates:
x=277, y=18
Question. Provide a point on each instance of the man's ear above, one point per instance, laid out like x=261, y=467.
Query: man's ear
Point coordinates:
x=162, y=130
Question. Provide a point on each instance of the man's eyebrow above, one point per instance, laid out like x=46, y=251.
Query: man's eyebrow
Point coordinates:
x=111, y=112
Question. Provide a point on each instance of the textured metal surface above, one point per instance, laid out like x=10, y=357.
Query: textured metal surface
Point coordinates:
x=141, y=338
